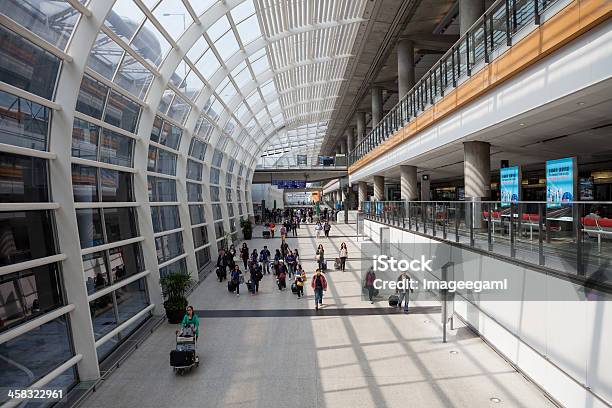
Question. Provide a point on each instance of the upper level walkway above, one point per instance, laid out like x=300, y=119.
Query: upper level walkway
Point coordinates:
x=511, y=80
x=274, y=350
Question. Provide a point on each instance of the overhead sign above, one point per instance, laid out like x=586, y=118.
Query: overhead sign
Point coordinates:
x=560, y=181
x=289, y=184
x=510, y=180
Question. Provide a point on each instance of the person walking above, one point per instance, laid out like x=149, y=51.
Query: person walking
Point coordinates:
x=326, y=228
x=403, y=292
x=277, y=258
x=343, y=256
x=272, y=229
x=318, y=229
x=221, y=266
x=319, y=284
x=282, y=276
x=191, y=319
x=264, y=259
x=369, y=283
x=294, y=227
x=299, y=283
x=255, y=276
x=296, y=253
x=244, y=255
x=290, y=261
x=320, y=257
x=283, y=232
x=237, y=278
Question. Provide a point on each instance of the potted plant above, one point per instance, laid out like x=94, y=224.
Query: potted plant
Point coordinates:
x=247, y=228
x=174, y=287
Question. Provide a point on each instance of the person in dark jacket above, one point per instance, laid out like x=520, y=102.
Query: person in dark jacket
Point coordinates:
x=369, y=283
x=244, y=255
x=264, y=259
x=319, y=284
x=236, y=275
x=255, y=276
x=221, y=266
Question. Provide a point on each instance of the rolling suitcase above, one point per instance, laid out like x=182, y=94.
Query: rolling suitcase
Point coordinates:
x=393, y=300
x=293, y=288
x=182, y=358
x=266, y=234
x=231, y=286
x=324, y=266
x=337, y=263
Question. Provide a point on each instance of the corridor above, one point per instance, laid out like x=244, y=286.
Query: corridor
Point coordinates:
x=273, y=350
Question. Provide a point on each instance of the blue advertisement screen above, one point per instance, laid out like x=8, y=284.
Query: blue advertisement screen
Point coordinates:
x=510, y=185
x=560, y=184
x=289, y=184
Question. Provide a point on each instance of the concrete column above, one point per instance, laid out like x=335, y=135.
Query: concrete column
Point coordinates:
x=342, y=147
x=377, y=105
x=361, y=126
x=405, y=66
x=469, y=12
x=425, y=194
x=337, y=149
x=408, y=183
x=379, y=188
x=477, y=170
x=363, y=193
x=350, y=134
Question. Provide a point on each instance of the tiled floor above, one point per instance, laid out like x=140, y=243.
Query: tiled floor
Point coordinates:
x=279, y=358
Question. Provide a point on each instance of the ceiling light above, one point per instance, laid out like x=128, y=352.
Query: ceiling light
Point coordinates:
x=521, y=124
x=580, y=103
x=495, y=400
x=454, y=352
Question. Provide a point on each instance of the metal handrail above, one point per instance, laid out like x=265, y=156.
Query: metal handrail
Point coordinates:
x=436, y=80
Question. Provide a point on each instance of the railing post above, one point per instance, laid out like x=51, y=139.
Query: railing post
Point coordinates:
x=471, y=218
x=489, y=226
x=433, y=218
x=457, y=222
x=536, y=12
x=409, y=218
x=484, y=37
x=540, y=234
x=511, y=232
x=491, y=32
x=468, y=69
x=453, y=68
x=445, y=215
x=577, y=214
x=508, y=36
x=424, y=216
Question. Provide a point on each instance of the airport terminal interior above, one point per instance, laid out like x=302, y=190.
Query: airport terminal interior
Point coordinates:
x=305, y=203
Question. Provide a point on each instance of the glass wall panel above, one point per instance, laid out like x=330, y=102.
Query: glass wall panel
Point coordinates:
x=92, y=97
x=25, y=65
x=28, y=294
x=51, y=20
x=196, y=214
x=95, y=270
x=125, y=261
x=161, y=189
x=214, y=175
x=122, y=112
x=90, y=227
x=131, y=299
x=203, y=258
x=165, y=218
x=25, y=235
x=85, y=139
x=219, y=229
x=102, y=315
x=22, y=179
x=197, y=149
x=179, y=266
x=194, y=192
x=120, y=224
x=214, y=194
x=25, y=367
x=84, y=183
x=217, y=214
x=116, y=186
x=23, y=123
x=116, y=148
x=169, y=246
x=133, y=77
x=194, y=170
x=161, y=161
x=200, y=236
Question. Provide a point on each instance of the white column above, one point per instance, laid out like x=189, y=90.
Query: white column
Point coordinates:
x=379, y=188
x=477, y=170
x=377, y=105
x=363, y=192
x=361, y=125
x=408, y=183
x=405, y=67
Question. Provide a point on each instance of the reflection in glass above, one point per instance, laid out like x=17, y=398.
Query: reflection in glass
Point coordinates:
x=90, y=227
x=200, y=236
x=165, y=217
x=179, y=266
x=203, y=258
x=161, y=189
x=169, y=246
x=116, y=186
x=194, y=192
x=196, y=214
x=120, y=224
x=133, y=77
x=23, y=123
x=84, y=183
x=96, y=272
x=131, y=299
x=161, y=161
x=28, y=294
x=116, y=148
x=22, y=179
x=25, y=367
x=125, y=261
x=105, y=56
x=194, y=170
x=122, y=112
x=25, y=235
x=92, y=96
x=16, y=68
x=85, y=139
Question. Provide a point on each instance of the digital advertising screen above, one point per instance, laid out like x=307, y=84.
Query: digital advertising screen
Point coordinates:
x=587, y=187
x=560, y=181
x=510, y=181
x=302, y=160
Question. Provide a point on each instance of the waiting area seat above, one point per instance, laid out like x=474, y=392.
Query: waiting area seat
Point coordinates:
x=599, y=227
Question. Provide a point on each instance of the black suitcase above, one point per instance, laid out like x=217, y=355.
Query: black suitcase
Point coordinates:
x=393, y=300
x=266, y=234
x=337, y=263
x=231, y=286
x=293, y=288
x=182, y=358
x=324, y=265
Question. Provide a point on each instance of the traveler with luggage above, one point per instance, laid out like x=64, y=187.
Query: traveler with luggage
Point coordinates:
x=272, y=229
x=369, y=283
x=326, y=228
x=283, y=232
x=191, y=318
x=221, y=266
x=229, y=259
x=264, y=259
x=255, y=275
x=343, y=255
x=319, y=284
x=403, y=292
x=320, y=257
x=244, y=254
x=296, y=253
x=299, y=284
x=254, y=256
x=282, y=276
x=294, y=227
x=237, y=279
